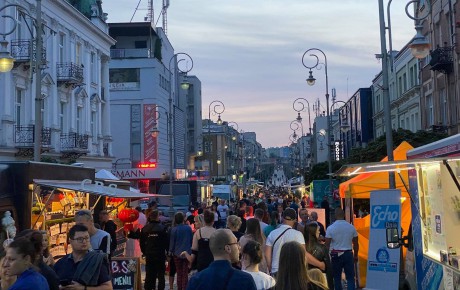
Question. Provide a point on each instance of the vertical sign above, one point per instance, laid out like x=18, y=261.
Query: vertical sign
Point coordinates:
x=383, y=263
x=150, y=142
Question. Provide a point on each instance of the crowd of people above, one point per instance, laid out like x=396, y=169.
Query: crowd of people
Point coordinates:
x=259, y=242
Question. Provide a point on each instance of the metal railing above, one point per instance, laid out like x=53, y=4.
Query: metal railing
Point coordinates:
x=24, y=50
x=24, y=136
x=69, y=72
x=130, y=53
x=74, y=142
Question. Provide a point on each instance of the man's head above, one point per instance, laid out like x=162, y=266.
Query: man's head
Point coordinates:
x=303, y=213
x=289, y=216
x=154, y=215
x=259, y=214
x=339, y=214
x=314, y=216
x=79, y=238
x=222, y=201
x=179, y=218
x=103, y=216
x=85, y=218
x=224, y=245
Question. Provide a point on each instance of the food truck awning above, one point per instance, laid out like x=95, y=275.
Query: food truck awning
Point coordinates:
x=84, y=186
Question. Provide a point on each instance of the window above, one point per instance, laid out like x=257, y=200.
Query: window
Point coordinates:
x=404, y=80
x=78, y=54
x=61, y=47
x=79, y=120
x=140, y=44
x=19, y=24
x=429, y=110
x=93, y=64
x=18, y=107
x=94, y=126
x=443, y=105
x=62, y=108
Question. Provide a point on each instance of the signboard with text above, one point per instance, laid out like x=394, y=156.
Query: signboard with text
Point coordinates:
x=383, y=263
x=136, y=173
x=150, y=142
x=126, y=273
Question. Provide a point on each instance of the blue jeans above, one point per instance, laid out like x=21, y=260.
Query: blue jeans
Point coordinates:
x=347, y=263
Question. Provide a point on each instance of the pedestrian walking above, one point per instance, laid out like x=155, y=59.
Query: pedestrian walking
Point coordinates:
x=252, y=256
x=180, y=241
x=283, y=234
x=154, y=244
x=200, y=243
x=220, y=274
x=342, y=242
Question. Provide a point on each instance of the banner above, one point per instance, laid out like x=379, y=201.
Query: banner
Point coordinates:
x=383, y=263
x=150, y=142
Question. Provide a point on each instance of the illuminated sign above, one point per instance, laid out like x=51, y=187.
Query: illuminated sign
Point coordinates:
x=137, y=173
x=147, y=165
x=338, y=152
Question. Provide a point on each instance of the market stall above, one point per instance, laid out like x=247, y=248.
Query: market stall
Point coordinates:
x=360, y=186
x=55, y=202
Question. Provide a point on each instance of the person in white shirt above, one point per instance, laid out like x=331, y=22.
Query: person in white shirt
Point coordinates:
x=250, y=259
x=283, y=234
x=223, y=213
x=342, y=242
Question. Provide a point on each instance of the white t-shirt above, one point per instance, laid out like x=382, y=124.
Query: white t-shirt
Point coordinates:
x=342, y=233
x=222, y=209
x=289, y=236
x=262, y=280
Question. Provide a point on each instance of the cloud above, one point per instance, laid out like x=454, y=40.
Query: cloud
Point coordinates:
x=248, y=54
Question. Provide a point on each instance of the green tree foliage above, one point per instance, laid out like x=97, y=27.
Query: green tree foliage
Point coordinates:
x=374, y=152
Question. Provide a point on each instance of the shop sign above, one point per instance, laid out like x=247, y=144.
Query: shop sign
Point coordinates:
x=136, y=173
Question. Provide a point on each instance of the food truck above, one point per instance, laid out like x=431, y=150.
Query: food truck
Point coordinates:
x=432, y=241
x=46, y=196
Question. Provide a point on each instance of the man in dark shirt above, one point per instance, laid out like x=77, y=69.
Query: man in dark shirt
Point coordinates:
x=109, y=226
x=154, y=244
x=83, y=269
x=220, y=274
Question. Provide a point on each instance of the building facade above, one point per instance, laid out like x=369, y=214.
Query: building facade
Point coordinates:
x=75, y=97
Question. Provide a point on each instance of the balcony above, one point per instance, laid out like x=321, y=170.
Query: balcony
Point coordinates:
x=130, y=53
x=442, y=60
x=24, y=136
x=24, y=51
x=69, y=74
x=74, y=143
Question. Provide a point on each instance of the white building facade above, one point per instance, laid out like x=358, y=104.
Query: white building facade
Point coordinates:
x=75, y=81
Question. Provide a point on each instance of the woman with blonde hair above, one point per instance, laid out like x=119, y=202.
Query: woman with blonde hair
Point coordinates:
x=317, y=280
x=234, y=224
x=48, y=258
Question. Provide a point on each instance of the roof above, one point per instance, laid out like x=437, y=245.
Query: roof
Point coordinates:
x=84, y=186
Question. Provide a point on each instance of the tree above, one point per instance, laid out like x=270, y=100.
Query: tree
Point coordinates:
x=374, y=151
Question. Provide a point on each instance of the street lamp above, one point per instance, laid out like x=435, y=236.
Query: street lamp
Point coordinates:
x=301, y=108
x=6, y=64
x=155, y=132
x=184, y=85
x=311, y=81
x=217, y=108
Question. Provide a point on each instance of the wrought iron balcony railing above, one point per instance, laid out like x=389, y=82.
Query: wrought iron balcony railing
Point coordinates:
x=24, y=136
x=74, y=142
x=69, y=73
x=442, y=60
x=24, y=50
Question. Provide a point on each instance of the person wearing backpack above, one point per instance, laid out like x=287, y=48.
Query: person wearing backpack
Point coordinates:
x=154, y=245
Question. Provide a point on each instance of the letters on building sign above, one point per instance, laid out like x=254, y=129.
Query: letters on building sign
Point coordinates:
x=135, y=173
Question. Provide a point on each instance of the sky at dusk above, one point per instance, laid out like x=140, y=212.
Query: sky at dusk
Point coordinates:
x=248, y=53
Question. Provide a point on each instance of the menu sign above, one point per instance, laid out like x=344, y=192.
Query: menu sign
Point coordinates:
x=126, y=273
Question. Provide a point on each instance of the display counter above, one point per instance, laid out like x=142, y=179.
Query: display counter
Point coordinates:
x=439, y=199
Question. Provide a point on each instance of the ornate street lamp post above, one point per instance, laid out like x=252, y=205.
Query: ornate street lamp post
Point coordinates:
x=184, y=85
x=6, y=64
x=311, y=81
x=216, y=108
x=299, y=106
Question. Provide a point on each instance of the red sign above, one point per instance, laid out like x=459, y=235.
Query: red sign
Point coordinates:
x=150, y=142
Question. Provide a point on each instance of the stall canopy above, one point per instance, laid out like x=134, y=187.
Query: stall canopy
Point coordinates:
x=105, y=174
x=85, y=186
x=361, y=185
